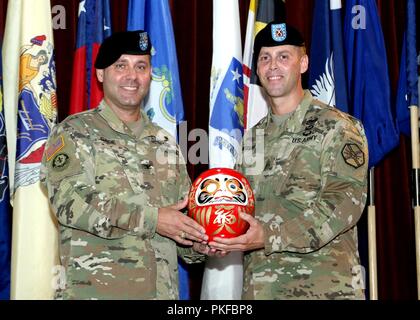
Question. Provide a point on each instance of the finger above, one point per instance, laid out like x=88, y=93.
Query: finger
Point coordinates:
x=214, y=246
x=201, y=248
x=180, y=205
x=218, y=252
x=247, y=217
x=187, y=237
x=227, y=244
x=195, y=229
x=183, y=241
x=221, y=253
x=226, y=241
x=192, y=234
x=195, y=233
x=191, y=223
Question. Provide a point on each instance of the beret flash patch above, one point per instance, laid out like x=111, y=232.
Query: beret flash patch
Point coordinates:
x=353, y=155
x=278, y=32
x=143, y=42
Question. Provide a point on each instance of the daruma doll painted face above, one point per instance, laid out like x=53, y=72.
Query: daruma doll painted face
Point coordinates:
x=215, y=199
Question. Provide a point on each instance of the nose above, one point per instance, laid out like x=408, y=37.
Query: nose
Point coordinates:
x=273, y=64
x=130, y=73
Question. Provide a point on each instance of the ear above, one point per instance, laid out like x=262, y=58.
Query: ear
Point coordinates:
x=257, y=71
x=304, y=62
x=100, y=75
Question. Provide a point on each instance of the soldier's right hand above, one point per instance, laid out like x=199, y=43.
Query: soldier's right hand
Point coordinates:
x=173, y=224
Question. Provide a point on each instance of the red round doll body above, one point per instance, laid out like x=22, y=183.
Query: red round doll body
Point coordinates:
x=215, y=199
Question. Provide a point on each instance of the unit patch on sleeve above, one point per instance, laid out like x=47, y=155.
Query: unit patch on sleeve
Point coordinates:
x=353, y=155
x=60, y=162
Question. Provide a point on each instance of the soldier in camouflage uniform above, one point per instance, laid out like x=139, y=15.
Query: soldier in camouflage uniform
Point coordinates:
x=116, y=188
x=311, y=189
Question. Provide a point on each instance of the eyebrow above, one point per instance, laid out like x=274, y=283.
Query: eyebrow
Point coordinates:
x=276, y=52
x=127, y=60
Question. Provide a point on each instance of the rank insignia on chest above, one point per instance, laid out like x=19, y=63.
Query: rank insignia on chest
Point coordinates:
x=353, y=155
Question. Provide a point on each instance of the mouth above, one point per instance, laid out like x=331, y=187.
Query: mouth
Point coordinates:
x=274, y=78
x=130, y=88
x=223, y=197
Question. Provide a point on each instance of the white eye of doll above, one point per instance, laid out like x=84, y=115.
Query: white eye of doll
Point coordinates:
x=211, y=188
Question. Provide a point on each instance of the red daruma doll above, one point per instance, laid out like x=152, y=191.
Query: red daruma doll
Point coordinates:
x=215, y=199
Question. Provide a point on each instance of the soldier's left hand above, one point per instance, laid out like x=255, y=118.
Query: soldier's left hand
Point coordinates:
x=251, y=240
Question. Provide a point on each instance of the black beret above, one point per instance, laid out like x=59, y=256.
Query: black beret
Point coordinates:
x=276, y=34
x=124, y=42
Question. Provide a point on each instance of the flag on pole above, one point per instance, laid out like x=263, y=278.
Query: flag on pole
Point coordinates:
x=93, y=26
x=407, y=94
x=5, y=212
x=163, y=104
x=222, y=277
x=260, y=13
x=368, y=78
x=327, y=73
x=30, y=112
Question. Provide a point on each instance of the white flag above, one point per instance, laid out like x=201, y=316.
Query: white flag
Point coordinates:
x=30, y=112
x=223, y=277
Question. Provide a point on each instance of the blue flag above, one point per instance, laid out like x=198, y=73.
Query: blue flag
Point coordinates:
x=5, y=217
x=327, y=73
x=226, y=113
x=163, y=104
x=368, y=79
x=407, y=94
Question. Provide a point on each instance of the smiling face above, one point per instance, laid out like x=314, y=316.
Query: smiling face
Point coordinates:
x=279, y=69
x=126, y=82
x=221, y=189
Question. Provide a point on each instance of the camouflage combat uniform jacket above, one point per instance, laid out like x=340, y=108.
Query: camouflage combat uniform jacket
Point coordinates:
x=105, y=186
x=309, y=196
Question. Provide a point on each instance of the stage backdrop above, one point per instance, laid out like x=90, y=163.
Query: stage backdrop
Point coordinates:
x=192, y=21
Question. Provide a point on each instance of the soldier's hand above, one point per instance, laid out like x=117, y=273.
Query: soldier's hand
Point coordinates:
x=205, y=249
x=251, y=240
x=175, y=225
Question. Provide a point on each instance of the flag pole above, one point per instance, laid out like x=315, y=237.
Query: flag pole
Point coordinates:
x=414, y=116
x=373, y=270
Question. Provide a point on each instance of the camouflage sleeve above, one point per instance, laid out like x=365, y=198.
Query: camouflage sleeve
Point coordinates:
x=340, y=201
x=189, y=255
x=186, y=253
x=184, y=179
x=68, y=172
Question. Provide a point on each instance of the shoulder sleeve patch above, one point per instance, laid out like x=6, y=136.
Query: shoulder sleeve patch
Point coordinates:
x=61, y=162
x=353, y=155
x=54, y=148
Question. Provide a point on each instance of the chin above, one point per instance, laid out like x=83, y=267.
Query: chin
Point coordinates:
x=131, y=102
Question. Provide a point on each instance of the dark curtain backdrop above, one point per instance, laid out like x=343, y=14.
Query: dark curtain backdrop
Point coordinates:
x=192, y=21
